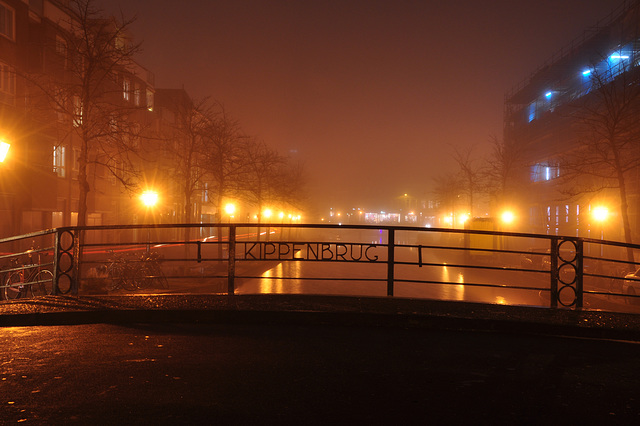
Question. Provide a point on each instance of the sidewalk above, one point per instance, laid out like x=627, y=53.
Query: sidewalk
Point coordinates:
x=329, y=310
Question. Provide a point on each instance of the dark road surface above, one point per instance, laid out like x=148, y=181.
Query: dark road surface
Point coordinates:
x=254, y=367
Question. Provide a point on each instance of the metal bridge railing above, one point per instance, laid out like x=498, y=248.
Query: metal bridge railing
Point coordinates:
x=392, y=261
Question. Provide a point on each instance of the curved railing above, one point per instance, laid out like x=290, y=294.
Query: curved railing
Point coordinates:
x=360, y=260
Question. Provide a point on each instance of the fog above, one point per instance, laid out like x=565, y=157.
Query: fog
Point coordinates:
x=369, y=95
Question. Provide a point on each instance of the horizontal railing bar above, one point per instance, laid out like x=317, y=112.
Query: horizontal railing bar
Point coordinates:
x=502, y=286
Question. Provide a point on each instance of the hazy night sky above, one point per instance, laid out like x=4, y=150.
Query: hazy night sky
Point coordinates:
x=369, y=94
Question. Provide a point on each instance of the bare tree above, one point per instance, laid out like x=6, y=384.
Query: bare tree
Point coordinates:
x=503, y=170
x=223, y=140
x=186, y=147
x=608, y=128
x=261, y=173
x=470, y=173
x=447, y=191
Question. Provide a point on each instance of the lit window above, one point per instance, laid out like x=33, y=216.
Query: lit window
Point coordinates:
x=544, y=172
x=77, y=111
x=59, y=161
x=532, y=112
x=136, y=94
x=149, y=100
x=126, y=89
x=6, y=21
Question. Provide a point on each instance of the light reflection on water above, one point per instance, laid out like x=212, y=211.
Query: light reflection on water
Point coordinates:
x=452, y=292
x=270, y=282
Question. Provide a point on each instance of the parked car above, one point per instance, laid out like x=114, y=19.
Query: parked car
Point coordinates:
x=631, y=287
x=536, y=258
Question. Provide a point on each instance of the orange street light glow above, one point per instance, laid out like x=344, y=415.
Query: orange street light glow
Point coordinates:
x=230, y=208
x=149, y=198
x=600, y=213
x=508, y=217
x=4, y=150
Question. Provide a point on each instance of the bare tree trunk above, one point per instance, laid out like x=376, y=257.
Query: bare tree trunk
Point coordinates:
x=624, y=210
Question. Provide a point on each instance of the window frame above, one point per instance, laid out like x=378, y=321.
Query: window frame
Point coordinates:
x=12, y=18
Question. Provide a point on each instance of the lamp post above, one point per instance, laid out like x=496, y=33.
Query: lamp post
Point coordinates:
x=267, y=215
x=230, y=209
x=600, y=214
x=149, y=199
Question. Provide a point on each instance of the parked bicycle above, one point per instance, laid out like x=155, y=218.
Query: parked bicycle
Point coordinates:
x=28, y=279
x=152, y=275
x=135, y=274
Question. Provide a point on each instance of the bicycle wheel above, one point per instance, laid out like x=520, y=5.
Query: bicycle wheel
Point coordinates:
x=160, y=281
x=114, y=272
x=42, y=283
x=14, y=286
x=131, y=278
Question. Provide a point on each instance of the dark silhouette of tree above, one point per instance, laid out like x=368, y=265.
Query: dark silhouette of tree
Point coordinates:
x=262, y=174
x=447, y=190
x=502, y=175
x=223, y=157
x=470, y=171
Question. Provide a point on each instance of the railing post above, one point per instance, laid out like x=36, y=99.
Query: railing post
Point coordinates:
x=56, y=262
x=579, y=274
x=391, y=239
x=231, y=265
x=553, y=273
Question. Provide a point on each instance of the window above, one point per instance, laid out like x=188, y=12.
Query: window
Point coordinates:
x=6, y=21
x=149, y=100
x=136, y=94
x=61, y=49
x=77, y=111
x=126, y=89
x=76, y=162
x=59, y=161
x=7, y=80
x=544, y=172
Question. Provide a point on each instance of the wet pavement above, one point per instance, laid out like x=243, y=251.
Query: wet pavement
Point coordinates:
x=292, y=359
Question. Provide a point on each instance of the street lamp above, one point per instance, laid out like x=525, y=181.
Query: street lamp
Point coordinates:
x=230, y=209
x=507, y=217
x=4, y=150
x=149, y=199
x=600, y=214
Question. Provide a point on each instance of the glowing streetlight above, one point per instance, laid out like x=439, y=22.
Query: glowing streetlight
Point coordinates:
x=507, y=217
x=230, y=209
x=267, y=213
x=600, y=214
x=149, y=198
x=4, y=150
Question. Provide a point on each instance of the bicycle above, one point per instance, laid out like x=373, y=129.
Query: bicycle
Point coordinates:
x=151, y=271
x=29, y=278
x=122, y=273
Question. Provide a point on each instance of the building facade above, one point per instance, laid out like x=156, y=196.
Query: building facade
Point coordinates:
x=40, y=145
x=546, y=117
